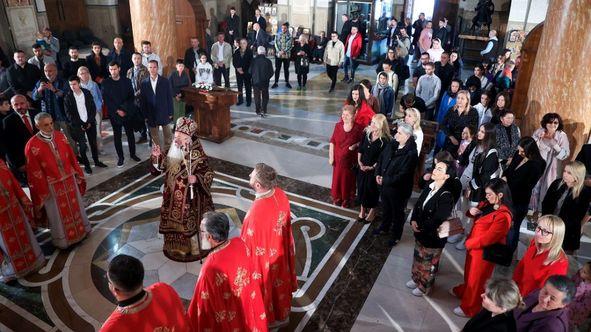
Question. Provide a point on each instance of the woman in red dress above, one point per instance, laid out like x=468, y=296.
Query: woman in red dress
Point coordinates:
x=342, y=155
x=544, y=257
x=363, y=111
x=491, y=225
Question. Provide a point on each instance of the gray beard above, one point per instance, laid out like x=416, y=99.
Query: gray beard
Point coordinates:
x=175, y=155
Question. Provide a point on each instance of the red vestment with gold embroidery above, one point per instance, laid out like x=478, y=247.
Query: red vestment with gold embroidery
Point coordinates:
x=57, y=185
x=160, y=310
x=267, y=233
x=228, y=294
x=20, y=253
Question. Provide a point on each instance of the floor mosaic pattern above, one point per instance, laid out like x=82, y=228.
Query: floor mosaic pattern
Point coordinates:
x=71, y=292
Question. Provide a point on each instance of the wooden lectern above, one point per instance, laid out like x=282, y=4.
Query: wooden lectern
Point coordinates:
x=212, y=111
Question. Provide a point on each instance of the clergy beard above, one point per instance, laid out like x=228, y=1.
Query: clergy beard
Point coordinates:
x=205, y=245
x=176, y=155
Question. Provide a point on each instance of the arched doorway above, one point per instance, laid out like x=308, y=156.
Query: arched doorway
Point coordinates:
x=191, y=21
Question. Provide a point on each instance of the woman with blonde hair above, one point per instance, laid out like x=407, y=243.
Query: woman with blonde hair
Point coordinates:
x=544, y=257
x=499, y=299
x=412, y=116
x=376, y=138
x=460, y=116
x=569, y=198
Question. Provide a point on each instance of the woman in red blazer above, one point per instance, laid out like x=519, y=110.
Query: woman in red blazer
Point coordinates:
x=544, y=257
x=493, y=221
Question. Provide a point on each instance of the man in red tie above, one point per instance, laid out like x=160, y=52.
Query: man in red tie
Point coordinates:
x=18, y=128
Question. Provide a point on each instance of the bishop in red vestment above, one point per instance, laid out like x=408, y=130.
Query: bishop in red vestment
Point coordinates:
x=155, y=308
x=20, y=253
x=267, y=233
x=228, y=293
x=57, y=184
x=187, y=183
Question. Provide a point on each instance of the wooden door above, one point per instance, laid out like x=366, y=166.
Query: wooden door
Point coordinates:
x=185, y=25
x=66, y=14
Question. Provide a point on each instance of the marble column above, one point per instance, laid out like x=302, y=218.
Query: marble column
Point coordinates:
x=561, y=78
x=154, y=20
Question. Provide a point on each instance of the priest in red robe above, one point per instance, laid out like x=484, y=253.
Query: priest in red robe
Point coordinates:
x=267, y=233
x=57, y=184
x=228, y=293
x=20, y=253
x=154, y=308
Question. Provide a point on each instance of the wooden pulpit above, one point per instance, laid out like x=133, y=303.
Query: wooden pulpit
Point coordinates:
x=211, y=111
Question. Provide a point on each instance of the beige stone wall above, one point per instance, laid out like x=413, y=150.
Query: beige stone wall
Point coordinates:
x=103, y=21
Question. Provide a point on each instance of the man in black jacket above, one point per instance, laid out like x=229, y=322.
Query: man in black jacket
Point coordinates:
x=18, y=127
x=232, y=26
x=346, y=29
x=21, y=76
x=445, y=71
x=81, y=113
x=259, y=37
x=119, y=100
x=192, y=57
x=241, y=60
x=70, y=67
x=261, y=70
x=395, y=173
x=418, y=26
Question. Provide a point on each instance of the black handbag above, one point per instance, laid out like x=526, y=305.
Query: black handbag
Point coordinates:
x=498, y=253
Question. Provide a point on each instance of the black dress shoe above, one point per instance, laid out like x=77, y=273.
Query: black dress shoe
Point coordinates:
x=240, y=102
x=287, y=85
x=136, y=158
x=100, y=164
x=274, y=86
x=120, y=162
x=87, y=169
x=247, y=104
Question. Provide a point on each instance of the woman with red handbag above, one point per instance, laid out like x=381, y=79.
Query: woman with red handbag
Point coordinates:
x=492, y=223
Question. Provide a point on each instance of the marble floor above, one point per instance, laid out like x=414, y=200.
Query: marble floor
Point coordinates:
x=348, y=279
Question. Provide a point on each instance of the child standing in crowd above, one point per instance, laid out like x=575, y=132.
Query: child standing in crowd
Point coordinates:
x=204, y=72
x=580, y=308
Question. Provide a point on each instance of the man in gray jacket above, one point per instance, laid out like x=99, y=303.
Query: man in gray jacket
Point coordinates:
x=221, y=56
x=428, y=88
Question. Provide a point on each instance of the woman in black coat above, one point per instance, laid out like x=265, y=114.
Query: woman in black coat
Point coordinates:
x=569, y=199
x=375, y=139
x=302, y=61
x=500, y=297
x=524, y=171
x=434, y=206
x=395, y=173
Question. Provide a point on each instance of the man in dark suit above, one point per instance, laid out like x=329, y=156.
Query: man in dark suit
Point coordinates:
x=261, y=71
x=18, y=127
x=156, y=103
x=81, y=113
x=119, y=100
x=258, y=18
x=232, y=26
x=120, y=54
x=241, y=60
x=259, y=37
x=192, y=57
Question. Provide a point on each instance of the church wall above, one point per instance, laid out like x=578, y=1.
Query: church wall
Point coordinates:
x=103, y=19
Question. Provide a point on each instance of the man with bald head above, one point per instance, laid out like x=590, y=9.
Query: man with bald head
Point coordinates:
x=120, y=54
x=51, y=90
x=259, y=37
x=18, y=127
x=21, y=76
